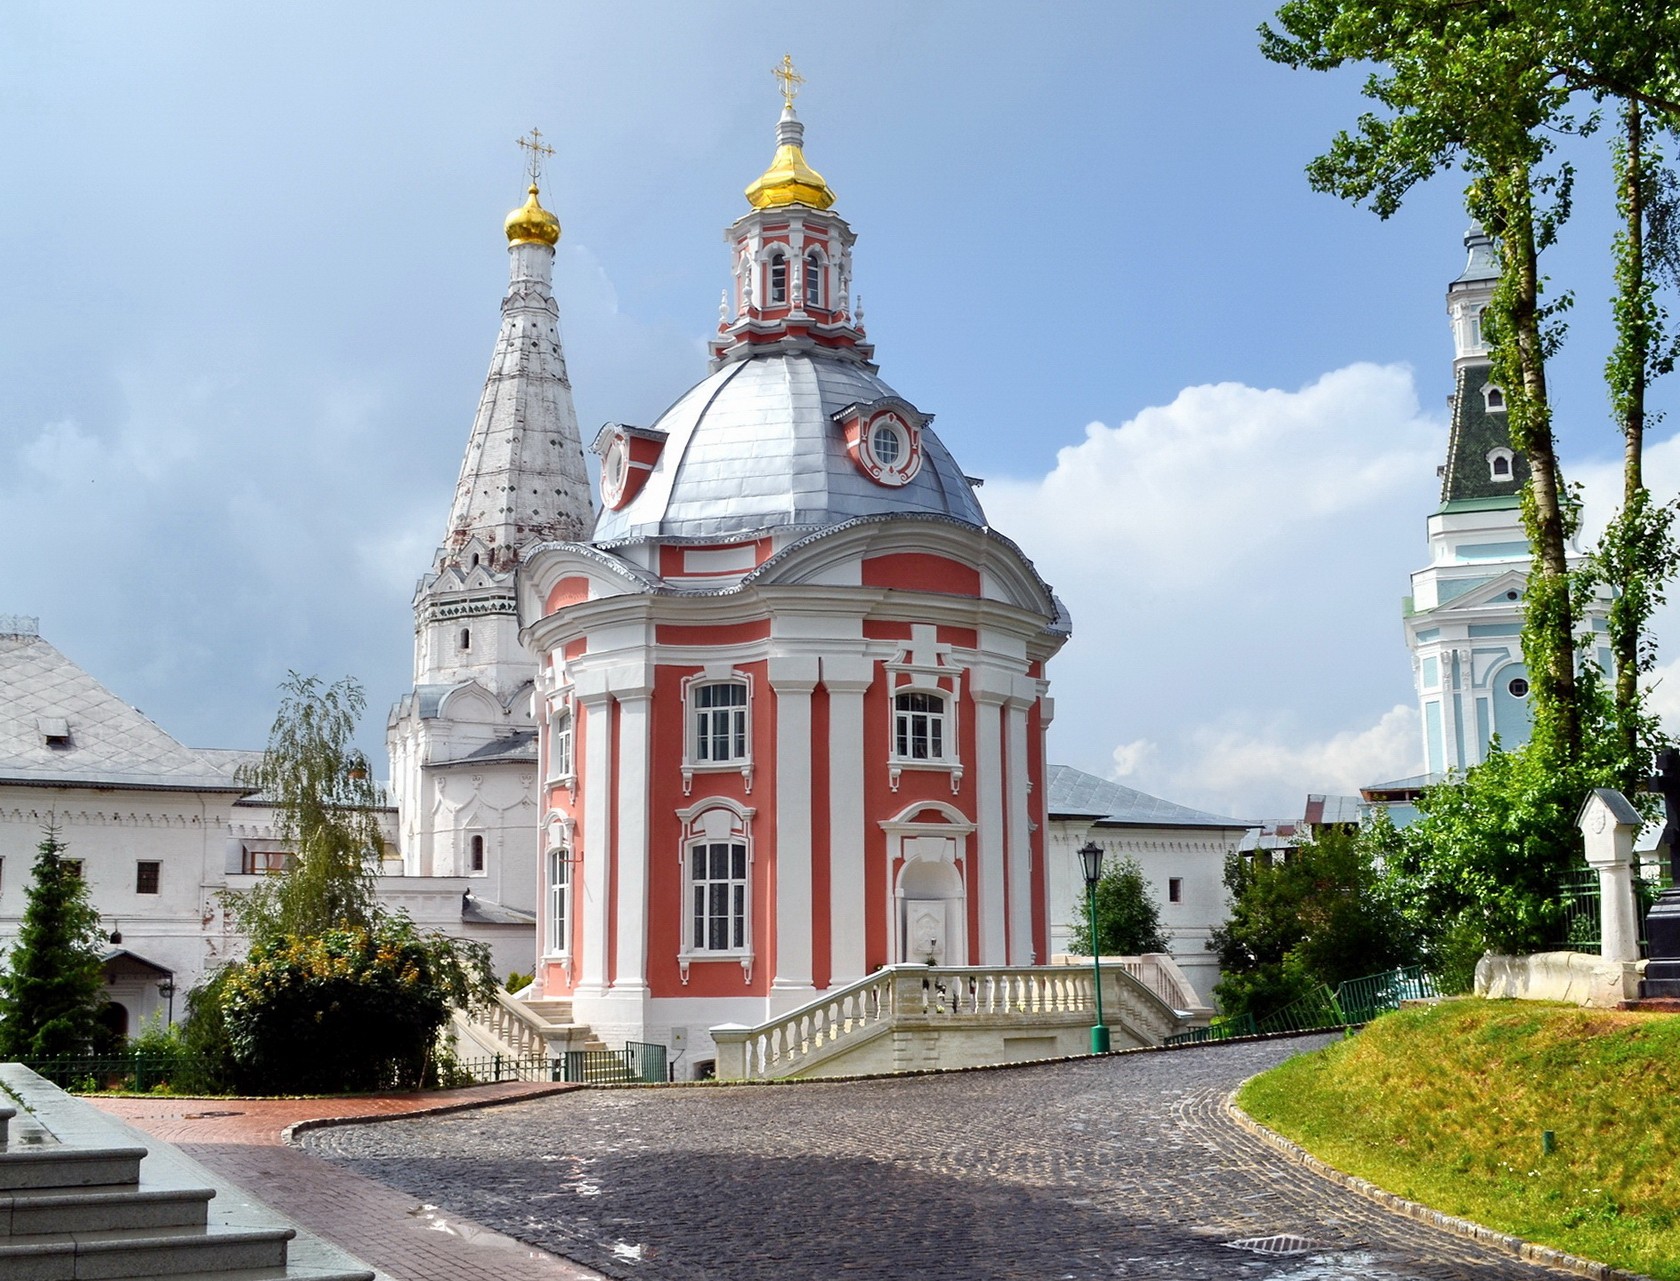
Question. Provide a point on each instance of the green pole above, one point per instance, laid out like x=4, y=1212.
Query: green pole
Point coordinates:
x=1099, y=1033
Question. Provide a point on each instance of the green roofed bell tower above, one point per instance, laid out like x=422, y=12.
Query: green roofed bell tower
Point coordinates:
x=1464, y=617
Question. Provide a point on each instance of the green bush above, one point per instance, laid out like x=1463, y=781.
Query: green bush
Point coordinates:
x=348, y=1009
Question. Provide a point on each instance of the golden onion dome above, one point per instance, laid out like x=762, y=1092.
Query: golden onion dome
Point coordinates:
x=531, y=224
x=789, y=180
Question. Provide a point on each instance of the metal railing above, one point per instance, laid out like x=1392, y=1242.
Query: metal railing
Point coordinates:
x=138, y=1072
x=1354, y=1001
x=637, y=1063
x=1583, y=920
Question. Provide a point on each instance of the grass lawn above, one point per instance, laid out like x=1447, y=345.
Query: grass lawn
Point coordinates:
x=1446, y=1105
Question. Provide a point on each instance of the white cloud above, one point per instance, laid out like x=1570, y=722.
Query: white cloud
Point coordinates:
x=1240, y=552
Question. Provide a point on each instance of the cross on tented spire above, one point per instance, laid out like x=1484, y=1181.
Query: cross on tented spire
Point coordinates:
x=791, y=80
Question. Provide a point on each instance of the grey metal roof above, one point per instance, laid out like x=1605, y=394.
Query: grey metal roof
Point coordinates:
x=754, y=447
x=1074, y=792
x=110, y=744
x=479, y=912
x=1483, y=261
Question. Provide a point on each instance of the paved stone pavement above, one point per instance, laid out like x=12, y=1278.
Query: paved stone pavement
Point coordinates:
x=405, y=1237
x=1121, y=1167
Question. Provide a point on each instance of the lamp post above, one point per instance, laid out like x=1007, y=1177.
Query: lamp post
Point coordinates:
x=1090, y=862
x=166, y=989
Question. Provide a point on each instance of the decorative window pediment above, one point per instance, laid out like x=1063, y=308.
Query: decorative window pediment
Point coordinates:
x=716, y=854
x=925, y=687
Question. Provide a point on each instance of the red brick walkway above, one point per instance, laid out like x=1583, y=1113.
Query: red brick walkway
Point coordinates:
x=243, y=1141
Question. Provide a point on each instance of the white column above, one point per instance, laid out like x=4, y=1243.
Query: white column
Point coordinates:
x=631, y=865
x=591, y=893
x=1017, y=833
x=846, y=680
x=990, y=692
x=793, y=679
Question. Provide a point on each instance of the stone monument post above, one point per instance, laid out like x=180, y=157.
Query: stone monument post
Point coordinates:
x=1609, y=823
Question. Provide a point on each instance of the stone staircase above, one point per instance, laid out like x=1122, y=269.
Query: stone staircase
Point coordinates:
x=84, y=1196
x=521, y=1029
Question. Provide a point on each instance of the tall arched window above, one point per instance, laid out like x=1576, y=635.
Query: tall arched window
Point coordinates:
x=559, y=901
x=475, y=854
x=778, y=278
x=814, y=279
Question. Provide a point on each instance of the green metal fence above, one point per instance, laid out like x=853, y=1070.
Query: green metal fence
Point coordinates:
x=637, y=1063
x=1582, y=918
x=139, y=1072
x=1354, y=1001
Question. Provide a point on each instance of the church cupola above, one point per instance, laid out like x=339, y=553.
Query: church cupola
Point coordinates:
x=792, y=258
x=1469, y=295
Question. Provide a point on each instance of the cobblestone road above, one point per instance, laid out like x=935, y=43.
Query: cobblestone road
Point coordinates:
x=1121, y=1167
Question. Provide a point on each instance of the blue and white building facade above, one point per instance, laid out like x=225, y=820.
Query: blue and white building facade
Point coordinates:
x=1463, y=619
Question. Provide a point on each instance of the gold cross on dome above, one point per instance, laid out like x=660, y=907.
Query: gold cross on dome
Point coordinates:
x=791, y=79
x=536, y=149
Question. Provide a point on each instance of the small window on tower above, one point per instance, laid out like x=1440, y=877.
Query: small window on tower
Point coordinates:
x=1495, y=398
x=778, y=278
x=1501, y=462
x=813, y=279
x=475, y=858
x=1501, y=466
x=466, y=638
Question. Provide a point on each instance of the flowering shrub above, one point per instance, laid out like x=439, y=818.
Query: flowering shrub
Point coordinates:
x=357, y=1008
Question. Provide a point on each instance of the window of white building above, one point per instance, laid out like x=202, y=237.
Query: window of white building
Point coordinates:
x=561, y=765
x=475, y=854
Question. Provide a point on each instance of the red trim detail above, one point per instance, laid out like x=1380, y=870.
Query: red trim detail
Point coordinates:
x=711, y=633
x=921, y=572
x=568, y=591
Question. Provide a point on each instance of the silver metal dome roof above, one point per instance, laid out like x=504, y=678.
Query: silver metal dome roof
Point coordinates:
x=755, y=447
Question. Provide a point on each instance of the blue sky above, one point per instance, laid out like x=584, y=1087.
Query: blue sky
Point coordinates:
x=253, y=261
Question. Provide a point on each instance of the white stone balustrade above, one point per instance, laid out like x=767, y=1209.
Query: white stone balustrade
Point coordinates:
x=931, y=1000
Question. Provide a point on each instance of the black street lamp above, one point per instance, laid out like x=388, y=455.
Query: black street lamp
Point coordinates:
x=1090, y=862
x=166, y=989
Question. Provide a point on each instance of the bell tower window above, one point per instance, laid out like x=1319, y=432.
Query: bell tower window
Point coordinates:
x=466, y=638
x=778, y=278
x=813, y=279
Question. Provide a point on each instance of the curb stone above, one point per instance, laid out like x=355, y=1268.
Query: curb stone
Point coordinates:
x=1527, y=1250
x=288, y=1135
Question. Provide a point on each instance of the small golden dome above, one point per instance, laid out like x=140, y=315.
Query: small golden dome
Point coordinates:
x=531, y=224
x=789, y=180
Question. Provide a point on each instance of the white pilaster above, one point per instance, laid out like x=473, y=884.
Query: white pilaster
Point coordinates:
x=1017, y=829
x=991, y=690
x=793, y=679
x=846, y=680
x=631, y=865
x=591, y=894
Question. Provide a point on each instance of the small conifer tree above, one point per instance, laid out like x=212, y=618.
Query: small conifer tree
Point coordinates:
x=52, y=989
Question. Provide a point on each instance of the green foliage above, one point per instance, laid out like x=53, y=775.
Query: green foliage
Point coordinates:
x=326, y=807
x=1128, y=920
x=335, y=994
x=1481, y=867
x=348, y=1009
x=517, y=980
x=208, y=1065
x=53, y=988
x=1322, y=917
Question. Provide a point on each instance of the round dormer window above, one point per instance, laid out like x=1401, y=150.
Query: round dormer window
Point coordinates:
x=891, y=452
x=1518, y=687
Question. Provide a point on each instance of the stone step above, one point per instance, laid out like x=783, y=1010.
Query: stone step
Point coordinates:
x=57, y=1165
x=124, y=1253
x=556, y=1011
x=102, y=1208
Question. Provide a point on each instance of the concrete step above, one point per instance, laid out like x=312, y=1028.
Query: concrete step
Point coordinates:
x=103, y=1208
x=142, y=1252
x=60, y=1165
x=556, y=1011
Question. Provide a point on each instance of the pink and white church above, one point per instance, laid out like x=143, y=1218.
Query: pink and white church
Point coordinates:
x=791, y=691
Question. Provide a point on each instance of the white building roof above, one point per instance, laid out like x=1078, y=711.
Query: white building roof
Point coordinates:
x=1074, y=792
x=104, y=742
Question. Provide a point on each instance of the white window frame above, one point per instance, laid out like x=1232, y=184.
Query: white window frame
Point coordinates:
x=771, y=299
x=717, y=821
x=813, y=267
x=924, y=669
x=926, y=723
x=1489, y=391
x=557, y=888
x=692, y=713
x=562, y=766
x=1494, y=456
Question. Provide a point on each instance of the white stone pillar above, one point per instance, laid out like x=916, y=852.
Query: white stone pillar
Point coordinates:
x=793, y=679
x=846, y=680
x=1608, y=822
x=991, y=691
x=631, y=865
x=591, y=893
x=1017, y=828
